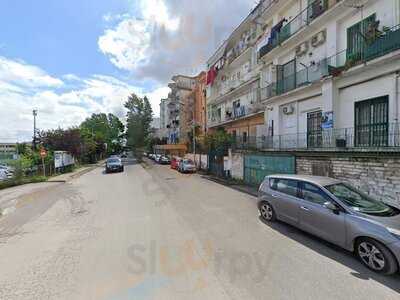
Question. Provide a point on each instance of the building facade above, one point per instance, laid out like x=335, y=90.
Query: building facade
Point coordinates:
x=233, y=81
x=194, y=109
x=329, y=74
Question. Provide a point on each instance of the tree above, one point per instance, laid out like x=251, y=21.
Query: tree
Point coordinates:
x=139, y=119
x=106, y=131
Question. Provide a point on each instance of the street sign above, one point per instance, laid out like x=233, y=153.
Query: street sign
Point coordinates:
x=43, y=153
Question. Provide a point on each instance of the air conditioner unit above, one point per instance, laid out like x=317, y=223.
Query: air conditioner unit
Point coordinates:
x=288, y=110
x=302, y=49
x=318, y=39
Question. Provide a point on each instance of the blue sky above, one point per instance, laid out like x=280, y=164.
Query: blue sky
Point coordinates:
x=72, y=58
x=60, y=36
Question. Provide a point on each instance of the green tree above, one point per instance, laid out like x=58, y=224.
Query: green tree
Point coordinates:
x=106, y=131
x=139, y=118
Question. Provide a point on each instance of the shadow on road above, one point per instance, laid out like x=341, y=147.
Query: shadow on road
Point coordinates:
x=335, y=253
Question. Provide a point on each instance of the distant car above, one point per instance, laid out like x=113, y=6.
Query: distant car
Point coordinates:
x=7, y=172
x=337, y=212
x=175, y=163
x=3, y=175
x=114, y=164
x=157, y=157
x=164, y=160
x=186, y=166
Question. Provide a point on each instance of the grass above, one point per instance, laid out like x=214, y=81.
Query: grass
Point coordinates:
x=15, y=182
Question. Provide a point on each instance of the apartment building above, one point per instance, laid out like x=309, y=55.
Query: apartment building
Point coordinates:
x=194, y=110
x=171, y=109
x=329, y=74
x=233, y=79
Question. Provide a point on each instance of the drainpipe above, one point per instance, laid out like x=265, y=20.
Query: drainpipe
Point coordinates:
x=396, y=97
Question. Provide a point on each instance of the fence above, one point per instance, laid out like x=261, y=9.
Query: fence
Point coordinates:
x=377, y=137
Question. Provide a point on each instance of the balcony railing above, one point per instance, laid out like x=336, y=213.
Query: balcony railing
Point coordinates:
x=381, y=137
x=303, y=19
x=386, y=42
x=237, y=113
x=325, y=67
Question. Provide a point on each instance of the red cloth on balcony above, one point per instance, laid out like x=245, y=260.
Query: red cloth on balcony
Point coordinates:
x=211, y=75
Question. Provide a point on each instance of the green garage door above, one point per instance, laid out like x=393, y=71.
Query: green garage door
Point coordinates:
x=256, y=167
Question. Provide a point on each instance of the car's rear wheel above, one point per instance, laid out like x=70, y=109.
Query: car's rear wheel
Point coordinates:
x=376, y=256
x=266, y=211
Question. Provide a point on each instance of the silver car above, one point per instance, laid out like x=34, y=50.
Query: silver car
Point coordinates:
x=186, y=165
x=337, y=212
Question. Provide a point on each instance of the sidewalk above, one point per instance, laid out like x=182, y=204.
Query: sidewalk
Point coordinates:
x=79, y=172
x=9, y=197
x=250, y=190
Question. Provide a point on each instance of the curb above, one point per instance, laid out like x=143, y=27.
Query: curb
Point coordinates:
x=240, y=188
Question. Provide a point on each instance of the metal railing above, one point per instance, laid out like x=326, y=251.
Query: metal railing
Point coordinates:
x=303, y=19
x=325, y=67
x=378, y=137
x=386, y=42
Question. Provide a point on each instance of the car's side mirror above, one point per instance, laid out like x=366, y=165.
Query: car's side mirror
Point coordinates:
x=332, y=206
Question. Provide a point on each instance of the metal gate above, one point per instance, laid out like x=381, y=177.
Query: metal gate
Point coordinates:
x=216, y=163
x=256, y=167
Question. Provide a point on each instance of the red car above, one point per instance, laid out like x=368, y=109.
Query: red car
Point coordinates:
x=175, y=162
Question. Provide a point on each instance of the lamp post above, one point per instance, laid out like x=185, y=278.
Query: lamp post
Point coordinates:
x=34, y=112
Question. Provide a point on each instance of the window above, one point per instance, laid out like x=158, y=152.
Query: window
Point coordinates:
x=314, y=194
x=356, y=39
x=244, y=137
x=285, y=186
x=314, y=129
x=371, y=122
x=359, y=201
x=286, y=77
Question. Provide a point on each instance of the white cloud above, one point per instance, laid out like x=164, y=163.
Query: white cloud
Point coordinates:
x=127, y=45
x=171, y=36
x=155, y=97
x=24, y=75
x=25, y=87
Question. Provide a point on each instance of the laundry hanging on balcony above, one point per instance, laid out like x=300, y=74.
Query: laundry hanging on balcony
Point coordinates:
x=276, y=30
x=211, y=75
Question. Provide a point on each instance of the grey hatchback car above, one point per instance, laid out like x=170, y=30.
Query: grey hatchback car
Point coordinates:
x=337, y=212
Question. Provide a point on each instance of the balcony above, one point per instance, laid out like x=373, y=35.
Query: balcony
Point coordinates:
x=380, y=137
x=384, y=43
x=331, y=66
x=303, y=19
x=233, y=114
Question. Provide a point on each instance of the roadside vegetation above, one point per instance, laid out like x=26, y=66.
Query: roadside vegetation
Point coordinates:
x=97, y=137
x=138, y=124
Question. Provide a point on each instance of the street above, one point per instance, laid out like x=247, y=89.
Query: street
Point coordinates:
x=153, y=233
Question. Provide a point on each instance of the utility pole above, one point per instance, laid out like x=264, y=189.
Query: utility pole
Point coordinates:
x=34, y=128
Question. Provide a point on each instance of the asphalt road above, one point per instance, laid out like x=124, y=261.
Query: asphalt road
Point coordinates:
x=152, y=233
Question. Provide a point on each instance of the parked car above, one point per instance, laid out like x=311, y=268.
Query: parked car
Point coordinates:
x=175, y=162
x=186, y=165
x=157, y=158
x=337, y=212
x=7, y=172
x=164, y=160
x=114, y=164
x=3, y=175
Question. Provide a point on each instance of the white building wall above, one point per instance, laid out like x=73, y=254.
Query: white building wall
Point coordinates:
x=375, y=88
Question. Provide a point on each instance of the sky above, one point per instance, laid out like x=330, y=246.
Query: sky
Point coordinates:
x=71, y=58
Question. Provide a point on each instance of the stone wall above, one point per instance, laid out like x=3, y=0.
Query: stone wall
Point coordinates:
x=379, y=177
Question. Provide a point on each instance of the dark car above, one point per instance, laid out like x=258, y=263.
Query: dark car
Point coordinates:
x=164, y=160
x=114, y=164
